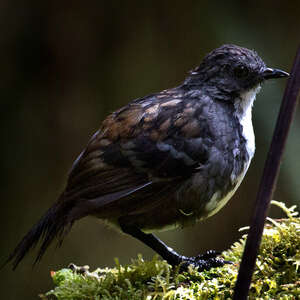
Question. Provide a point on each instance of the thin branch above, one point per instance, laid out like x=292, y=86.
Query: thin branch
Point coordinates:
x=268, y=181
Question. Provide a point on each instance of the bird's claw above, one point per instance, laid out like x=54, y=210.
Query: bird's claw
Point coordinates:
x=208, y=254
x=203, y=262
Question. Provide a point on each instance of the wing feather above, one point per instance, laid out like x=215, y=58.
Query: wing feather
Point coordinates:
x=141, y=151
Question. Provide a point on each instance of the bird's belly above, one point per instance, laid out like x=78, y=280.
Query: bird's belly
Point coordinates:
x=205, y=196
x=190, y=204
x=191, y=208
x=217, y=201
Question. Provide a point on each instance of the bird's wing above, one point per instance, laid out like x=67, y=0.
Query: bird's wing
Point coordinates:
x=141, y=152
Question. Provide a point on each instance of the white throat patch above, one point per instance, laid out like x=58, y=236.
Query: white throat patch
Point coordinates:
x=245, y=102
x=243, y=110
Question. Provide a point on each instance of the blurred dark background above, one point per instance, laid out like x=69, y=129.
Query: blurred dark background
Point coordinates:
x=66, y=64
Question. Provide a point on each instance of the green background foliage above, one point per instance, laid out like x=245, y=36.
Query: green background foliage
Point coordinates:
x=66, y=64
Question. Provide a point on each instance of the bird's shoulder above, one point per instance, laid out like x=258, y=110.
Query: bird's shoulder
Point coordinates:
x=161, y=133
x=173, y=112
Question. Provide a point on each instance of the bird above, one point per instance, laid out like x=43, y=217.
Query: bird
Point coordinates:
x=167, y=160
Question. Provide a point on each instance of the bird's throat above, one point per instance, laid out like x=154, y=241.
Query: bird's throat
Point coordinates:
x=243, y=104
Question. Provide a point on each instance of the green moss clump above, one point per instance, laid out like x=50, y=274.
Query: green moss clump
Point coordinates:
x=276, y=275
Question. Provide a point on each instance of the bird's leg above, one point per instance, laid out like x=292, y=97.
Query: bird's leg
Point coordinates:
x=154, y=243
x=203, y=262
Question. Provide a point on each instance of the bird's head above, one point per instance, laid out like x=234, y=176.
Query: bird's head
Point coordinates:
x=230, y=71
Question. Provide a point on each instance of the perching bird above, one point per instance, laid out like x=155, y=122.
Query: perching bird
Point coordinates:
x=166, y=160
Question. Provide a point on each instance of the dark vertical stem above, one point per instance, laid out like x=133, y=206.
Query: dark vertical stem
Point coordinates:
x=268, y=181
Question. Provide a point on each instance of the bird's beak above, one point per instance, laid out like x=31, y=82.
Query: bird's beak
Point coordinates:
x=269, y=73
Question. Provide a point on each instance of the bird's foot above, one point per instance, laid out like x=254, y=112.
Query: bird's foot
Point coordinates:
x=203, y=262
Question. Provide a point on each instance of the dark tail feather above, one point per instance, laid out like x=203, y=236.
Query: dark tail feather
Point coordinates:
x=55, y=223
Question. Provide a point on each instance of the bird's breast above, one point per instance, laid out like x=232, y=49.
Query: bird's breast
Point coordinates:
x=216, y=182
x=242, y=156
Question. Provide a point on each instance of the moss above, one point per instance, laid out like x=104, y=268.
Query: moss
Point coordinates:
x=276, y=275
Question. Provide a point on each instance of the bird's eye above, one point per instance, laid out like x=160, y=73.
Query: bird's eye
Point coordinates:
x=241, y=72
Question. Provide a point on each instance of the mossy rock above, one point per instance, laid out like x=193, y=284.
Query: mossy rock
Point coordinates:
x=276, y=275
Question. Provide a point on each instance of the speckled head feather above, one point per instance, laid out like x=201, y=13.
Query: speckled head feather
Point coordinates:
x=229, y=69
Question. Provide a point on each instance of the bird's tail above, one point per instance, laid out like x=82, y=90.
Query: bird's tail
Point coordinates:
x=54, y=224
